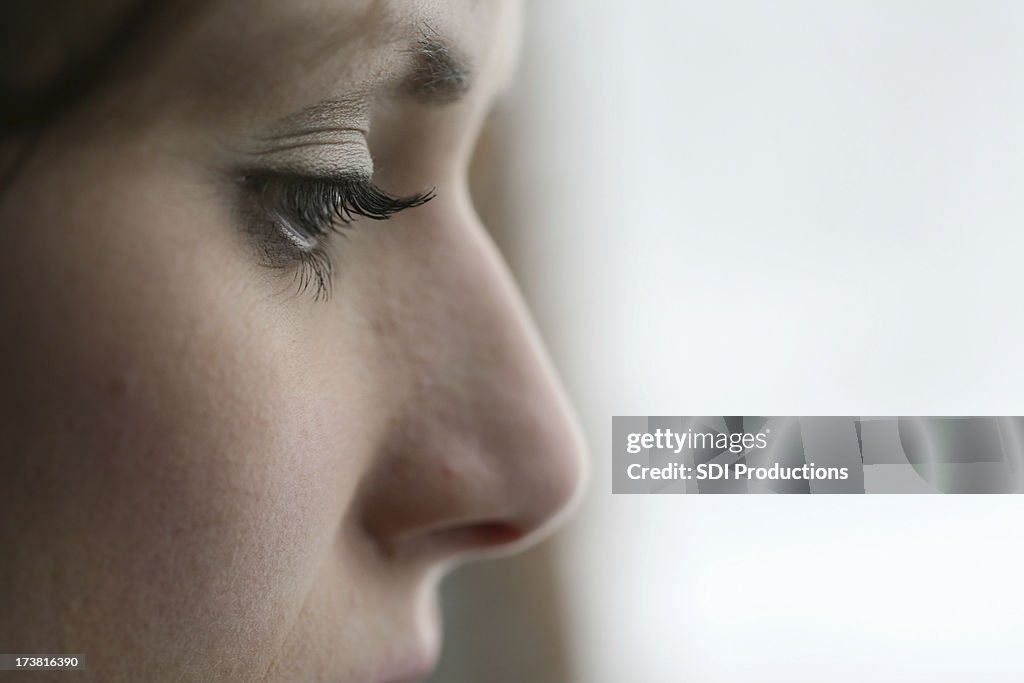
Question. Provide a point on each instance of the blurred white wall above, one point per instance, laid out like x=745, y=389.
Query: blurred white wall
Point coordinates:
x=786, y=208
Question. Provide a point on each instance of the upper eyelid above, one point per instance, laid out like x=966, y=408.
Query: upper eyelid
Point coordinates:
x=296, y=145
x=327, y=139
x=311, y=158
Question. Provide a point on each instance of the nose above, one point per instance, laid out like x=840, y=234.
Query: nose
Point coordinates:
x=480, y=453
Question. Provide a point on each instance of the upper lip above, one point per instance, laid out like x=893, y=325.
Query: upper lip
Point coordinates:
x=412, y=669
x=417, y=660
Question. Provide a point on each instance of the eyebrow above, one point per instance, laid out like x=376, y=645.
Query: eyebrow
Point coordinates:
x=440, y=74
x=436, y=74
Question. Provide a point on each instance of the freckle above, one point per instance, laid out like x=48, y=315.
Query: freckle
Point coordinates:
x=117, y=387
x=74, y=604
x=448, y=471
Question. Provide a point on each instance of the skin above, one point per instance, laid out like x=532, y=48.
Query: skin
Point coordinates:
x=207, y=474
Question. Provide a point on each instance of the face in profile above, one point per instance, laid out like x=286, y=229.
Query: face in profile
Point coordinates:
x=265, y=376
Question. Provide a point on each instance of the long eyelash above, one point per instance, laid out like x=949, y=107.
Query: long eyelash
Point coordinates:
x=313, y=207
x=320, y=204
x=316, y=269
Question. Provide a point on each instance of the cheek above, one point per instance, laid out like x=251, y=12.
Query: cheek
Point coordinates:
x=174, y=433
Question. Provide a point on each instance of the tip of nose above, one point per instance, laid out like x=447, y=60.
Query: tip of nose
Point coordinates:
x=567, y=497
x=550, y=483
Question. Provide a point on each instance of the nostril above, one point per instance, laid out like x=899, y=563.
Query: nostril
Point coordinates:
x=453, y=480
x=490, y=534
x=477, y=537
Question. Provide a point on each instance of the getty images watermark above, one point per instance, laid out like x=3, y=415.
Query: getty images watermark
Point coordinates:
x=817, y=454
x=717, y=442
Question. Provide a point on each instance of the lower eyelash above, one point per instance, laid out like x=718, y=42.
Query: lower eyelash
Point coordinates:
x=311, y=267
x=316, y=270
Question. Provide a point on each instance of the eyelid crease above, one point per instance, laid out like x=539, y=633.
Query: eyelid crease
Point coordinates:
x=303, y=145
x=321, y=130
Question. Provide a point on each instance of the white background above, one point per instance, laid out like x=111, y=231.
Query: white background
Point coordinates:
x=785, y=208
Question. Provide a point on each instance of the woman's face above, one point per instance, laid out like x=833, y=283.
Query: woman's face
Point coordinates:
x=236, y=445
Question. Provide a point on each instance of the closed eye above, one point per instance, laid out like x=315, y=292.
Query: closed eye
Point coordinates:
x=296, y=214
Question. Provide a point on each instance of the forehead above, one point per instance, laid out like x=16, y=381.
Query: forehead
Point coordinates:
x=346, y=34
x=274, y=49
